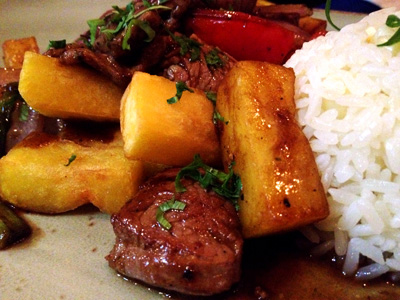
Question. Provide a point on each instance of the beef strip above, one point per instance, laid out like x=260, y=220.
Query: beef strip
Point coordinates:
x=199, y=255
x=20, y=128
x=198, y=73
x=290, y=13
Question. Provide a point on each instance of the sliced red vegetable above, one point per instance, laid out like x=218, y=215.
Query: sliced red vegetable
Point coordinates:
x=247, y=37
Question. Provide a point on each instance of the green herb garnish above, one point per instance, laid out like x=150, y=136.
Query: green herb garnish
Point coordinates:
x=213, y=58
x=217, y=117
x=392, y=21
x=70, y=160
x=328, y=14
x=187, y=45
x=180, y=88
x=93, y=25
x=228, y=185
x=125, y=19
x=212, y=96
x=57, y=44
x=166, y=206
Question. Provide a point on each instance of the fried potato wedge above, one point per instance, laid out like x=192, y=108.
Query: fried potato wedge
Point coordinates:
x=281, y=184
x=167, y=134
x=62, y=91
x=14, y=50
x=47, y=174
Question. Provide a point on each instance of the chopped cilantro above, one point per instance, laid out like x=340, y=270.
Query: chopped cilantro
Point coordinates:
x=93, y=24
x=187, y=46
x=57, y=44
x=212, y=96
x=213, y=58
x=228, y=185
x=180, y=88
x=125, y=20
x=217, y=117
x=166, y=206
x=70, y=160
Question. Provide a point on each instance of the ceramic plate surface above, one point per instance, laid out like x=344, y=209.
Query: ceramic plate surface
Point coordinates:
x=64, y=259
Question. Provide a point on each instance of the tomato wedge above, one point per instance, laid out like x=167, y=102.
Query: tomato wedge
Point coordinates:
x=247, y=37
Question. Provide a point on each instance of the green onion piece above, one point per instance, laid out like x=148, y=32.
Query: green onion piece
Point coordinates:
x=228, y=185
x=393, y=40
x=12, y=227
x=70, y=160
x=57, y=44
x=392, y=21
x=328, y=14
x=180, y=88
x=166, y=206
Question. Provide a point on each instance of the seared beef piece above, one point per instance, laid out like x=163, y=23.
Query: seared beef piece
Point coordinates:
x=178, y=10
x=104, y=63
x=199, y=255
x=198, y=73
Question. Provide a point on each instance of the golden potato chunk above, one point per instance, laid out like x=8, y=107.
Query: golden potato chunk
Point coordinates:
x=281, y=184
x=63, y=91
x=168, y=134
x=14, y=50
x=47, y=174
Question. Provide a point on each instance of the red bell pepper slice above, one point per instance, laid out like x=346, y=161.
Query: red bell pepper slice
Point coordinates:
x=247, y=37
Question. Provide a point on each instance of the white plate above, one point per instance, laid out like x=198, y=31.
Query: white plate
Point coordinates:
x=65, y=257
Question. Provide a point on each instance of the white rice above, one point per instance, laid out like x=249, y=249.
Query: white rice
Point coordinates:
x=348, y=100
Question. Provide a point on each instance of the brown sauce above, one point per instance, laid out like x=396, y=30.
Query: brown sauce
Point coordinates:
x=79, y=132
x=275, y=269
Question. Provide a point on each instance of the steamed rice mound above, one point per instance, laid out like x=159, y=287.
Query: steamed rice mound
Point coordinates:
x=348, y=103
